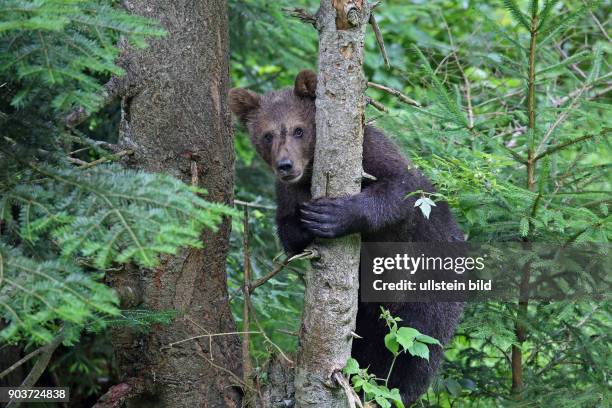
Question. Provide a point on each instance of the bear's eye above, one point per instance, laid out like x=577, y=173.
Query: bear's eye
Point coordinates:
x=298, y=132
x=268, y=137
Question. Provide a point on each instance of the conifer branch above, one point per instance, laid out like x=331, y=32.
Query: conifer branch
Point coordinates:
x=598, y=24
x=22, y=361
x=561, y=118
x=563, y=145
x=514, y=154
x=113, y=157
x=466, y=81
x=98, y=145
x=573, y=66
x=597, y=94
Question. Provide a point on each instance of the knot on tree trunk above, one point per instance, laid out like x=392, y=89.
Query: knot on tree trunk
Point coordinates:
x=348, y=13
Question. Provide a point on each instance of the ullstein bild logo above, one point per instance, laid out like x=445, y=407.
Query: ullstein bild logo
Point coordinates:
x=459, y=271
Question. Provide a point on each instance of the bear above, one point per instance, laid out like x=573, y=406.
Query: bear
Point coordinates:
x=281, y=126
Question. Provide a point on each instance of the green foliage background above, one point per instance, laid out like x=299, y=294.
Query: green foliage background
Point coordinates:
x=477, y=162
x=62, y=226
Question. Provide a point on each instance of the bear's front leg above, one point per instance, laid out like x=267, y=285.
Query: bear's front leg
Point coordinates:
x=333, y=217
x=294, y=237
x=379, y=205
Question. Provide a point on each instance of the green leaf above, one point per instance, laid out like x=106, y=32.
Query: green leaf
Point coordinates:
x=391, y=343
x=358, y=383
x=406, y=336
x=453, y=387
x=352, y=367
x=382, y=401
x=467, y=384
x=425, y=204
x=395, y=396
x=419, y=350
x=423, y=338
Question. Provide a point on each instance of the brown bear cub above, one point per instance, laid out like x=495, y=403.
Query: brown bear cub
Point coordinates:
x=281, y=125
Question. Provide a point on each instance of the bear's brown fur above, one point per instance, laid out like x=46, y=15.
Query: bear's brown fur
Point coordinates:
x=281, y=125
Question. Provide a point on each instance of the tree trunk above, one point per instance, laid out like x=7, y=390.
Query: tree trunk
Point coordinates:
x=175, y=118
x=330, y=304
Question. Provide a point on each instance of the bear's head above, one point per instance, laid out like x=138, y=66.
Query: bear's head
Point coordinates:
x=281, y=125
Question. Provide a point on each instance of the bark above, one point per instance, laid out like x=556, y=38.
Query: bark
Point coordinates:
x=176, y=120
x=330, y=304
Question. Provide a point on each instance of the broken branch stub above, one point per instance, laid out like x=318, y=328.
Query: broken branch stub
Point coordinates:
x=349, y=13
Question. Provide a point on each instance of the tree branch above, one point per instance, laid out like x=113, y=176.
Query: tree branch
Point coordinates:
x=119, y=393
x=303, y=15
x=115, y=88
x=598, y=93
x=40, y=366
x=375, y=104
x=563, y=145
x=466, y=81
x=379, y=39
x=23, y=360
x=264, y=334
x=399, y=95
x=254, y=205
x=113, y=157
x=203, y=336
x=560, y=119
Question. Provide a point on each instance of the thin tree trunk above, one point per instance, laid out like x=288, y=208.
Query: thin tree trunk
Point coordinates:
x=175, y=118
x=330, y=304
x=520, y=328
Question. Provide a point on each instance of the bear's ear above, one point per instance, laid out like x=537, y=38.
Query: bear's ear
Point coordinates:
x=306, y=84
x=243, y=102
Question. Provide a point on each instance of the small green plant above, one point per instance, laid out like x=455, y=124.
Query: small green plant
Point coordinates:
x=399, y=340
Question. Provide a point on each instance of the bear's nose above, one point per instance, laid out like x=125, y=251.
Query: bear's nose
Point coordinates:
x=284, y=165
